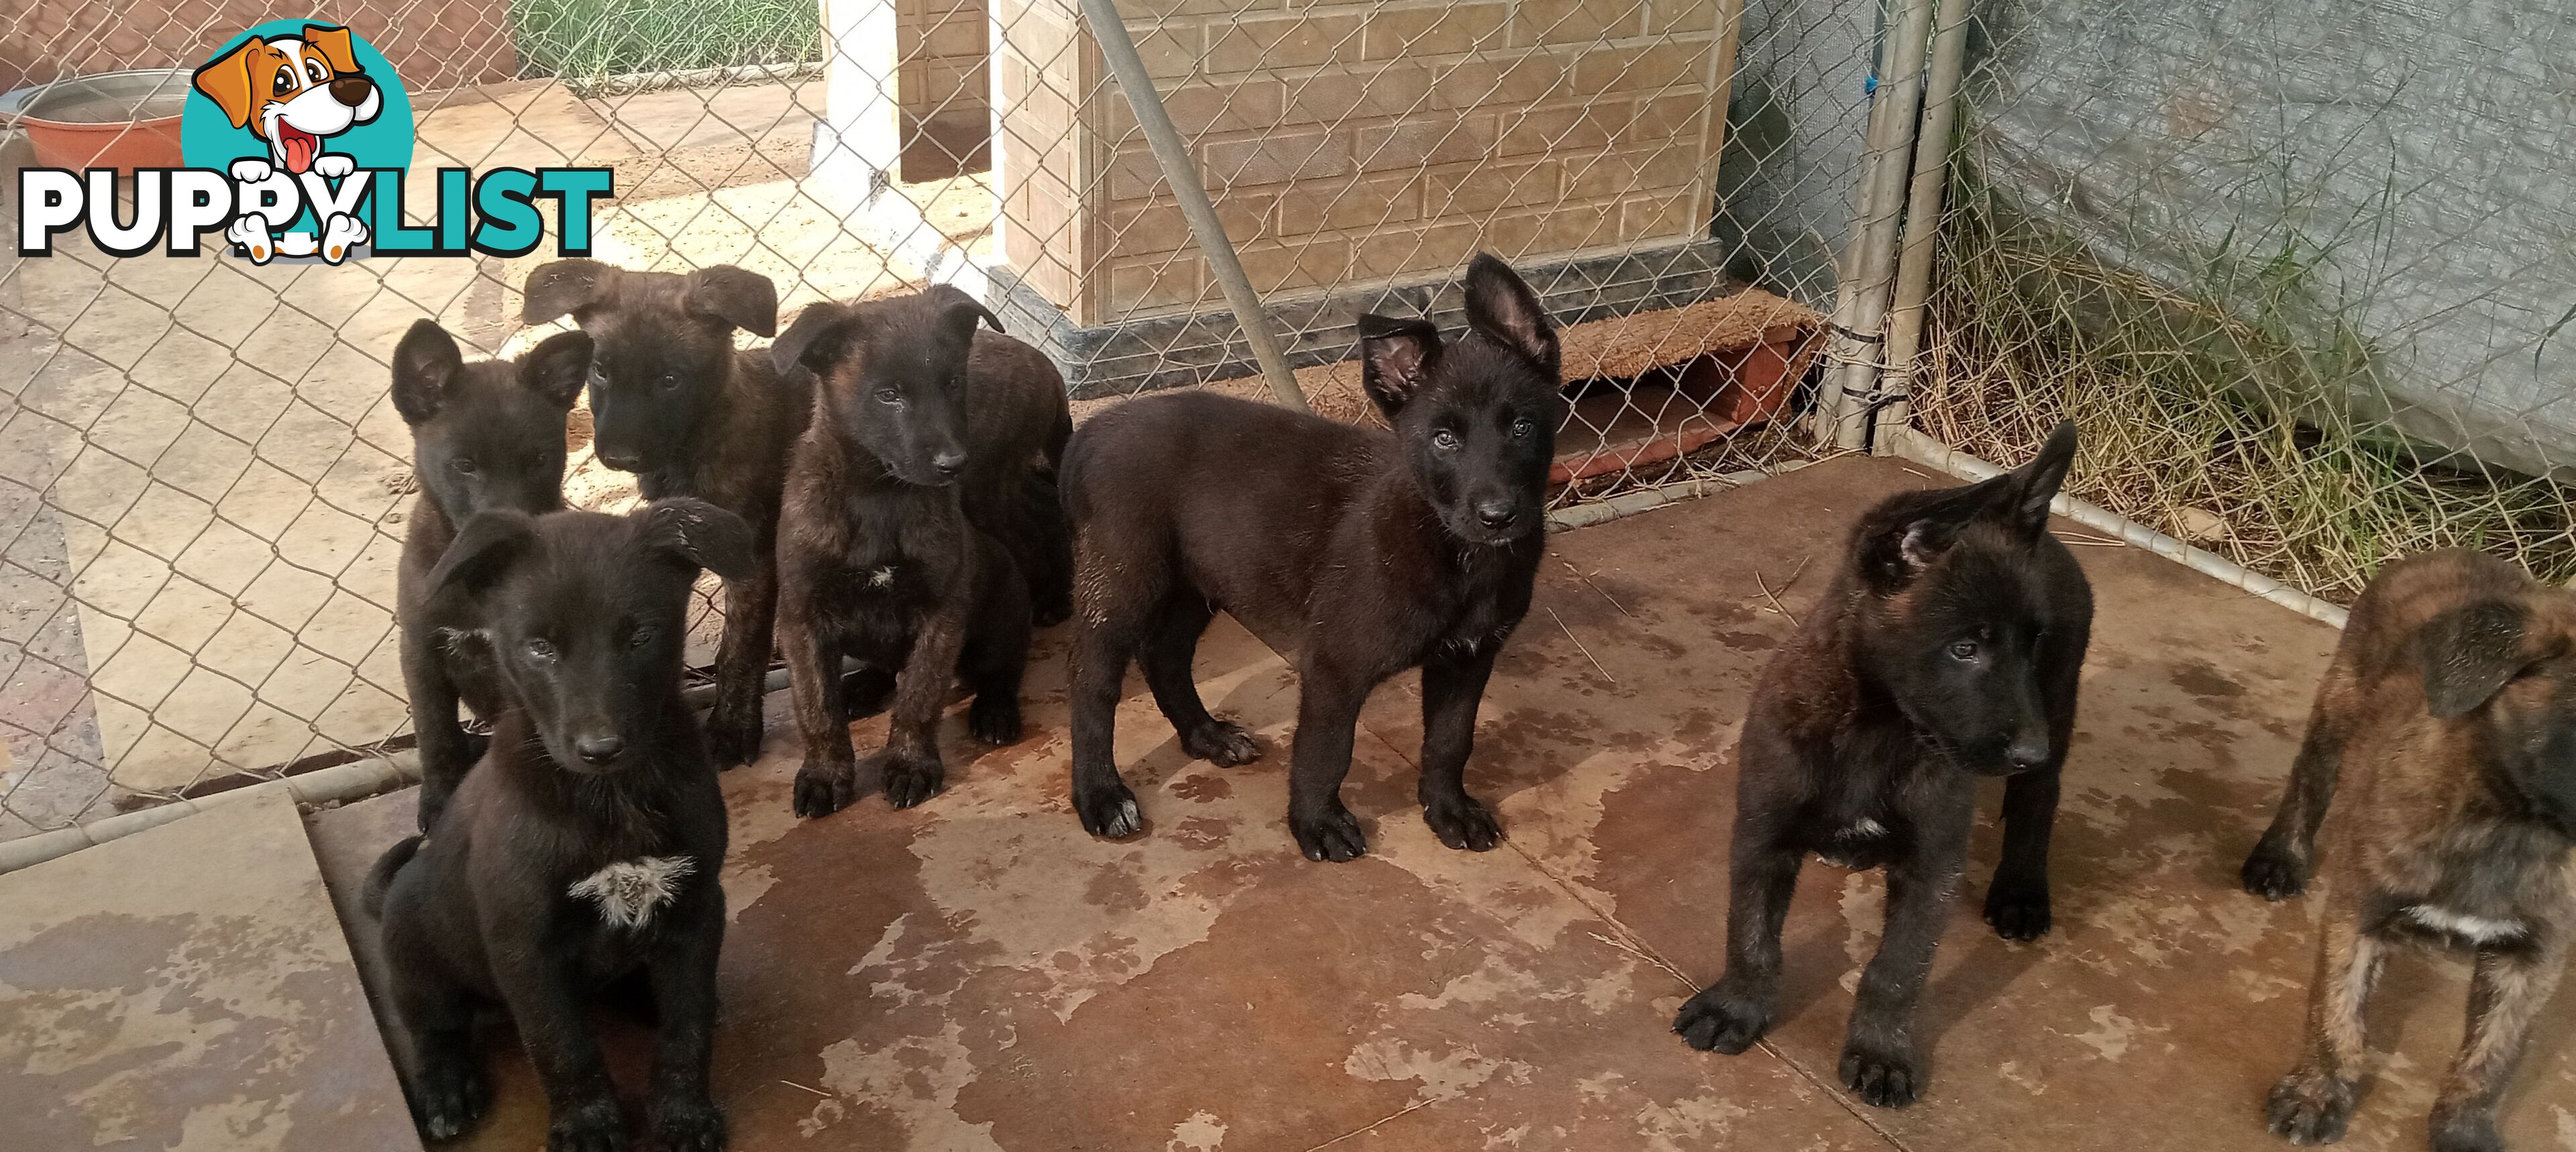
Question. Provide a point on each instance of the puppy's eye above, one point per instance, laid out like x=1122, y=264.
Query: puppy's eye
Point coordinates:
x=313, y=68
x=463, y=467
x=889, y=396
x=1445, y=440
x=284, y=83
x=669, y=383
x=642, y=637
x=540, y=650
x=1964, y=650
x=1524, y=427
x=598, y=374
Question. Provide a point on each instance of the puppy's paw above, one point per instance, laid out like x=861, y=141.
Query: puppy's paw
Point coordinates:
x=251, y=233
x=1881, y=1078
x=2273, y=872
x=341, y=236
x=451, y=1096
x=733, y=734
x=334, y=165
x=911, y=778
x=826, y=788
x=1721, y=1020
x=598, y=1126
x=994, y=719
x=1108, y=810
x=251, y=170
x=1223, y=743
x=2017, y=911
x=1460, y=822
x=688, y=1126
x=2465, y=1130
x=1330, y=834
x=2308, y=1108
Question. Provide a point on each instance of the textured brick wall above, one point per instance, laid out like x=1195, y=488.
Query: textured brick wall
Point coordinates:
x=434, y=44
x=943, y=75
x=1355, y=142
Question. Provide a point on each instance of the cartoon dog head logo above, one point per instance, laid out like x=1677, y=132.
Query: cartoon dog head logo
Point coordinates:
x=294, y=92
x=311, y=124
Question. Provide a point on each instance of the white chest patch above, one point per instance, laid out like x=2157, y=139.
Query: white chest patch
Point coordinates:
x=629, y=892
x=2475, y=929
x=881, y=577
x=1866, y=828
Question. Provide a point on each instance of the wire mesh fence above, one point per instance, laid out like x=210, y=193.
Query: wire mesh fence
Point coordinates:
x=2295, y=269
x=204, y=486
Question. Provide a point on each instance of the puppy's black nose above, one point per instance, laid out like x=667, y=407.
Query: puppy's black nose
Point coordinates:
x=1497, y=514
x=949, y=463
x=599, y=749
x=2028, y=752
x=619, y=461
x=352, y=90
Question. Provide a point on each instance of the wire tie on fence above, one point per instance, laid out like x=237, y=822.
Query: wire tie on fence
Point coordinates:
x=1853, y=334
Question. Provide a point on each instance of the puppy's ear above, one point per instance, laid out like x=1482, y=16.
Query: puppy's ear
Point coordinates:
x=562, y=287
x=226, y=80
x=2023, y=502
x=2470, y=653
x=557, y=367
x=1396, y=356
x=426, y=365
x=335, y=47
x=960, y=309
x=1898, y=543
x=818, y=338
x=1501, y=306
x=699, y=535
x=483, y=549
x=737, y=296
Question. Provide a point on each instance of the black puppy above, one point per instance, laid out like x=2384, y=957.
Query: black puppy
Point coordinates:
x=1380, y=552
x=932, y=451
x=1947, y=648
x=586, y=843
x=674, y=402
x=484, y=436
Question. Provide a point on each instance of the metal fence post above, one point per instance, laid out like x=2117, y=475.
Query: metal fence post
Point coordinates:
x=1173, y=154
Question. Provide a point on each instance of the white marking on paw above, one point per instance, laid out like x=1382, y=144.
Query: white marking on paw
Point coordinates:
x=881, y=577
x=629, y=892
x=2476, y=929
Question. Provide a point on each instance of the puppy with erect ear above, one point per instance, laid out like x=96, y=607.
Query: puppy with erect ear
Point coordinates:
x=673, y=401
x=487, y=436
x=1383, y=551
x=1949, y=647
x=585, y=845
x=2450, y=707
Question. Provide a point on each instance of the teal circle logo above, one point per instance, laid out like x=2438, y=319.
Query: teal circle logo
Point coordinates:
x=290, y=93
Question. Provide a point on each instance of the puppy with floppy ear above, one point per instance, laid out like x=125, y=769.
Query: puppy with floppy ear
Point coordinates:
x=585, y=845
x=2450, y=707
x=674, y=402
x=1947, y=648
x=924, y=483
x=486, y=436
x=1378, y=551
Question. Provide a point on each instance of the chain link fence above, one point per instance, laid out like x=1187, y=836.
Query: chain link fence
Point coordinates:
x=2299, y=271
x=203, y=483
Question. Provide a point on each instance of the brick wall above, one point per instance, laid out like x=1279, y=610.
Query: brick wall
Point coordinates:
x=1351, y=142
x=434, y=44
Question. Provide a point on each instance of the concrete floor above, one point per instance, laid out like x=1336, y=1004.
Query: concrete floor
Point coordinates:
x=978, y=974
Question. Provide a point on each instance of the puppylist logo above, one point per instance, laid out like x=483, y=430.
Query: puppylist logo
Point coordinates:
x=297, y=137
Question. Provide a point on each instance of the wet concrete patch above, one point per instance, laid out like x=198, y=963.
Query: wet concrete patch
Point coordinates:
x=188, y=987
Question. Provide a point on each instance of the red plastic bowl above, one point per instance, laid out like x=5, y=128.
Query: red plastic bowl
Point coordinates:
x=120, y=120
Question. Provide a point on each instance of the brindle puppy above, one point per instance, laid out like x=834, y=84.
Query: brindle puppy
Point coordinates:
x=2449, y=715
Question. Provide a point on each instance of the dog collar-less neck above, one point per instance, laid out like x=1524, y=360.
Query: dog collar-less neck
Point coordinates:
x=629, y=892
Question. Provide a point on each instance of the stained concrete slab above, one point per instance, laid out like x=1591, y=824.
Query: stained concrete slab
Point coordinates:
x=188, y=987
x=979, y=974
